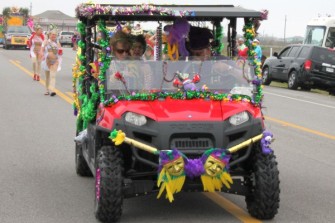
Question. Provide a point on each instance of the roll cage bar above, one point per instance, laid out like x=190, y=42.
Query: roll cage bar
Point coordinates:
x=89, y=14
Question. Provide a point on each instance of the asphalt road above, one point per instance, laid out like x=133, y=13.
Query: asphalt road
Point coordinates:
x=38, y=182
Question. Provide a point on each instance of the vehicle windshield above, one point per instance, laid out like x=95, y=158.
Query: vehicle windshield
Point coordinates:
x=18, y=29
x=216, y=76
x=314, y=35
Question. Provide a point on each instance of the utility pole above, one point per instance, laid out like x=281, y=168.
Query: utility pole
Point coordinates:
x=285, y=31
x=31, y=9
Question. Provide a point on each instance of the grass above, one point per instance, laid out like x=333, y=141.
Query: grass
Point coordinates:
x=284, y=85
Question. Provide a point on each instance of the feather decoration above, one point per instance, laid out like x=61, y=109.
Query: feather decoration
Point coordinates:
x=216, y=174
x=177, y=34
x=117, y=136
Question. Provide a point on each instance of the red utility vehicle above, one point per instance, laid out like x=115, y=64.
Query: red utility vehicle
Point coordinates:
x=165, y=125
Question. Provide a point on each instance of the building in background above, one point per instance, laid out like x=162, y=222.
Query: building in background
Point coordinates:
x=57, y=18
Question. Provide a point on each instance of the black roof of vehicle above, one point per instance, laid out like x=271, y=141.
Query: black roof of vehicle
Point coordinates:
x=166, y=12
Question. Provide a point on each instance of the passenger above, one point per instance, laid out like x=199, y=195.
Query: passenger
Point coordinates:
x=120, y=44
x=36, y=53
x=137, y=52
x=138, y=46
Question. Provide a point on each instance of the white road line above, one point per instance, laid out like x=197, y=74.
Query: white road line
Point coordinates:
x=310, y=102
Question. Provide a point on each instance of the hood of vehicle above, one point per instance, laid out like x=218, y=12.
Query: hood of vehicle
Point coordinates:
x=186, y=110
x=173, y=110
x=182, y=110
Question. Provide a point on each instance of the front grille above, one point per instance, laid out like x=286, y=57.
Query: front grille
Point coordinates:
x=191, y=144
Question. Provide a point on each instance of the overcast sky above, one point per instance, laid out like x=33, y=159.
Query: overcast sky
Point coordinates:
x=297, y=13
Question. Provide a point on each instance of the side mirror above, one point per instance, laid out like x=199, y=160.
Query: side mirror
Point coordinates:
x=275, y=54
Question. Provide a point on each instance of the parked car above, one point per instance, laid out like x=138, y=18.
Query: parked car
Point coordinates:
x=304, y=66
x=16, y=36
x=65, y=38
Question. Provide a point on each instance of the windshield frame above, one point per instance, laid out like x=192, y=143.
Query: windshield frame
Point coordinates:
x=97, y=20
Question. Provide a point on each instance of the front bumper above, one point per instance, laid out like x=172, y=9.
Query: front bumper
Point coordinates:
x=193, y=137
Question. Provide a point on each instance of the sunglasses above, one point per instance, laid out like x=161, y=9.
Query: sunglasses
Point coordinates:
x=121, y=51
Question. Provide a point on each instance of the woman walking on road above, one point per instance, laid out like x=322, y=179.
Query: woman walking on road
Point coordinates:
x=51, y=61
x=36, y=53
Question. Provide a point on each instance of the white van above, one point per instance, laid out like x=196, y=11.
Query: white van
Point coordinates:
x=321, y=32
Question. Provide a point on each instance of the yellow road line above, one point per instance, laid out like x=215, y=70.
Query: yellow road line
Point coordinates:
x=58, y=92
x=231, y=207
x=300, y=128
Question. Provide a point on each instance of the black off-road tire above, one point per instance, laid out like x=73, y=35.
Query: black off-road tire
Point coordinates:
x=108, y=205
x=266, y=76
x=292, y=81
x=82, y=168
x=263, y=197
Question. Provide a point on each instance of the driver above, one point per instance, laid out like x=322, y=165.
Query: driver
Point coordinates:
x=200, y=42
x=200, y=48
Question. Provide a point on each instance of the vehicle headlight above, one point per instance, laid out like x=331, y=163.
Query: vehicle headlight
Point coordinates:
x=239, y=118
x=135, y=119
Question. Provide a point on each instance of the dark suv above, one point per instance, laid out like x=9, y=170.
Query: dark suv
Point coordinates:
x=304, y=66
